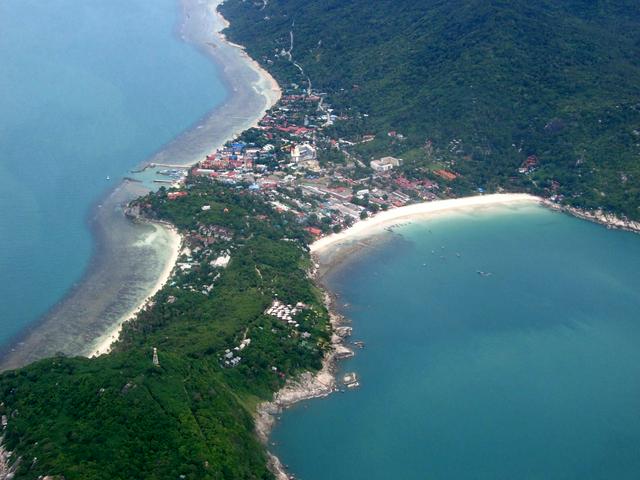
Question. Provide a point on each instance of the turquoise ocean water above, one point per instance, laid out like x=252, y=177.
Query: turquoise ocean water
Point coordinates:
x=88, y=90
x=532, y=372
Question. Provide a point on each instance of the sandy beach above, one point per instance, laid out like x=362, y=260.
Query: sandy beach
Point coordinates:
x=266, y=86
x=418, y=211
x=251, y=91
x=271, y=91
x=103, y=343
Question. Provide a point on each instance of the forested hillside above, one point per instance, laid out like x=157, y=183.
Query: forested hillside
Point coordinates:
x=121, y=416
x=490, y=83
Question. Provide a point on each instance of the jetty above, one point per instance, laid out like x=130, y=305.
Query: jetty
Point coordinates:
x=351, y=380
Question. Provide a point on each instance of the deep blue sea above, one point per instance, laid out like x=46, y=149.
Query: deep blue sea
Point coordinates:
x=89, y=89
x=531, y=372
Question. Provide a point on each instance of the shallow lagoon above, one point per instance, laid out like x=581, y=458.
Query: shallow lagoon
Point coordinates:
x=530, y=372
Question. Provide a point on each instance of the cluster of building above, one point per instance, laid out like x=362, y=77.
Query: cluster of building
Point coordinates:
x=207, y=235
x=233, y=162
x=286, y=313
x=279, y=159
x=299, y=166
x=529, y=165
x=231, y=357
x=207, y=251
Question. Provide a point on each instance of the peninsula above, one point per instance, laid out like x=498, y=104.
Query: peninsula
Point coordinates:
x=239, y=315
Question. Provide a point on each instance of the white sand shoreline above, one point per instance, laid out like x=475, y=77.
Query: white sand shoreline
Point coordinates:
x=202, y=27
x=271, y=94
x=103, y=343
x=386, y=218
x=266, y=86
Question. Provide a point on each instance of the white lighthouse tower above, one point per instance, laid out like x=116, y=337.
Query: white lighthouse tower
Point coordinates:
x=156, y=362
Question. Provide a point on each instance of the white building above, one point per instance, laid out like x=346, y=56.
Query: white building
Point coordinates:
x=303, y=153
x=222, y=261
x=385, y=164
